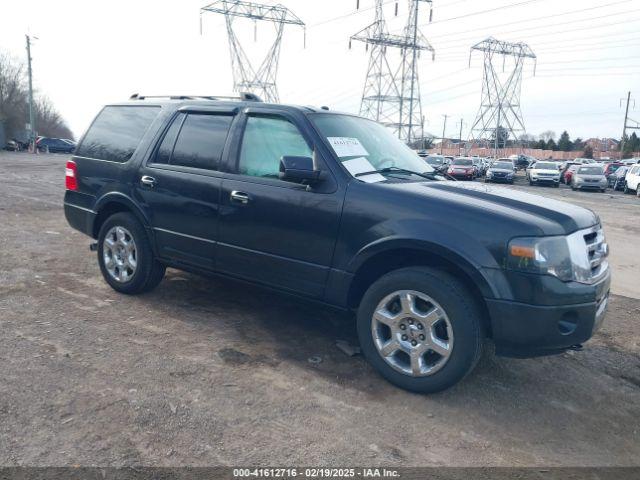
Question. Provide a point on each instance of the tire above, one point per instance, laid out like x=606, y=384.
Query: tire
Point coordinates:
x=531, y=183
x=625, y=190
x=461, y=321
x=556, y=185
x=147, y=272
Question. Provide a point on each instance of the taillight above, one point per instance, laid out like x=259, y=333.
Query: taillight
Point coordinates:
x=71, y=181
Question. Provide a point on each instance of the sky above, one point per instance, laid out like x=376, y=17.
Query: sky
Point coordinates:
x=90, y=53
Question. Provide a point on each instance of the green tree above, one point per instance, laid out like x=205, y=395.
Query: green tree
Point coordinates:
x=578, y=144
x=588, y=152
x=551, y=145
x=564, y=144
x=542, y=145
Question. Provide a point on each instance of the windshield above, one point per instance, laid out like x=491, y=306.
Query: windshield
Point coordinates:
x=503, y=165
x=545, y=166
x=467, y=162
x=613, y=167
x=363, y=145
x=435, y=160
x=590, y=171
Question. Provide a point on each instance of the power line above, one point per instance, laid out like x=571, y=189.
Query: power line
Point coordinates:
x=504, y=7
x=548, y=26
x=546, y=17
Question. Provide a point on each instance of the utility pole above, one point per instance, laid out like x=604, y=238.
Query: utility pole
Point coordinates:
x=32, y=119
x=247, y=78
x=460, y=138
x=391, y=93
x=624, y=130
x=444, y=129
x=501, y=91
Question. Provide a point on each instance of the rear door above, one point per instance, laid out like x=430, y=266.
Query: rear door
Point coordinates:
x=180, y=185
x=271, y=231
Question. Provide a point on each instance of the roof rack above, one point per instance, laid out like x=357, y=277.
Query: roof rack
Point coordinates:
x=244, y=97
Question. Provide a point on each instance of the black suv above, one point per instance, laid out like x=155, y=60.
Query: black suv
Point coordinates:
x=334, y=208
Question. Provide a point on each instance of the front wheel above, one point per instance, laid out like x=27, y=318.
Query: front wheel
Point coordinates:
x=125, y=255
x=420, y=328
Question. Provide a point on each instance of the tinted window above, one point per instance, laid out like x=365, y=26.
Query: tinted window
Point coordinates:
x=590, y=171
x=503, y=165
x=435, y=160
x=459, y=161
x=266, y=140
x=201, y=141
x=163, y=154
x=545, y=166
x=116, y=132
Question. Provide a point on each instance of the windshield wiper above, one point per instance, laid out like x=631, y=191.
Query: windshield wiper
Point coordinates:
x=429, y=176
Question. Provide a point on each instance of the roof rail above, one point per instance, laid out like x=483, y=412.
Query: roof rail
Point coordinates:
x=244, y=97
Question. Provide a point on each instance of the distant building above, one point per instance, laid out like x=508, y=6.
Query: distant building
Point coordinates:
x=602, y=145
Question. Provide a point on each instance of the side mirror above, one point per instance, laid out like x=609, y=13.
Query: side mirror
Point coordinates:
x=299, y=170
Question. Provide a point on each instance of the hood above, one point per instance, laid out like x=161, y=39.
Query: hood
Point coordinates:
x=528, y=213
x=554, y=171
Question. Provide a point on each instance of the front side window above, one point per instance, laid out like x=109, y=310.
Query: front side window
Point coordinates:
x=266, y=140
x=116, y=132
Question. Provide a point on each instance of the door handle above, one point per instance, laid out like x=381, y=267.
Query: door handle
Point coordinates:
x=240, y=197
x=148, y=181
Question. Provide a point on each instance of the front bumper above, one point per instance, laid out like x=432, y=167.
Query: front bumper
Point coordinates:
x=529, y=330
x=548, y=180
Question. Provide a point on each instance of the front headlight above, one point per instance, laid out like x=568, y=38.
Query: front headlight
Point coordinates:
x=544, y=255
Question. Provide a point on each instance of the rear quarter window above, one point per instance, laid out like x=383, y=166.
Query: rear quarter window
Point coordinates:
x=116, y=132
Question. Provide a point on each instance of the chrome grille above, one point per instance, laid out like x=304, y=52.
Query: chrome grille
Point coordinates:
x=597, y=251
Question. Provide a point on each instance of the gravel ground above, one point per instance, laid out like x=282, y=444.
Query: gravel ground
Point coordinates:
x=212, y=372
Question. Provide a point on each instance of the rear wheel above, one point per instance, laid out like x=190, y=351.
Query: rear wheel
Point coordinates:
x=420, y=328
x=125, y=255
x=626, y=188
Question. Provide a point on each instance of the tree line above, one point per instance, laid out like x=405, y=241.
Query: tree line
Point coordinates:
x=14, y=104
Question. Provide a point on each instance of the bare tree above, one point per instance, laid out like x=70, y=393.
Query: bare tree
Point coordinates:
x=548, y=135
x=14, y=103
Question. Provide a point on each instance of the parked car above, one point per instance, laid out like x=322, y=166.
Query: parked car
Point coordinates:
x=462, y=168
x=12, y=146
x=632, y=179
x=54, y=145
x=611, y=167
x=616, y=179
x=334, y=208
x=544, y=173
x=568, y=173
x=501, y=171
x=521, y=162
x=589, y=177
x=437, y=162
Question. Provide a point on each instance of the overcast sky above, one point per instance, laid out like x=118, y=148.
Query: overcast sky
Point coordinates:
x=90, y=53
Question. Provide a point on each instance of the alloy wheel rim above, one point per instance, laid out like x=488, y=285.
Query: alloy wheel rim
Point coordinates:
x=119, y=254
x=412, y=333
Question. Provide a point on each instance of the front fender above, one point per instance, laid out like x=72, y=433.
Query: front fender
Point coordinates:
x=445, y=241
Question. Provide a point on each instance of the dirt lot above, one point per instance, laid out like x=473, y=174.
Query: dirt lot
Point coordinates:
x=210, y=372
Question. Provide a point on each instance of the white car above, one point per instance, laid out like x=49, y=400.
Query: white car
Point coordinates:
x=632, y=180
x=544, y=173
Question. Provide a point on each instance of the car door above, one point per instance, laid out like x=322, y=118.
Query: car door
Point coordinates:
x=633, y=177
x=179, y=187
x=272, y=231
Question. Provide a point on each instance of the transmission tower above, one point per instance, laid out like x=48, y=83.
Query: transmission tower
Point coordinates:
x=500, y=116
x=391, y=93
x=246, y=78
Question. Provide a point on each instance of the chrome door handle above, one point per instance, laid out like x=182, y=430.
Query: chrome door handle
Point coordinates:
x=148, y=181
x=240, y=197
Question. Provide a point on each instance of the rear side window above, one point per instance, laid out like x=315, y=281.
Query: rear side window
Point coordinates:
x=116, y=132
x=195, y=140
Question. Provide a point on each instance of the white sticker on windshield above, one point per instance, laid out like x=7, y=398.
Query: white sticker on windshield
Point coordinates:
x=347, y=147
x=362, y=165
